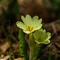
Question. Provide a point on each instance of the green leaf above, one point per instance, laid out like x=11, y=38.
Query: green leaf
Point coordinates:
x=23, y=44
x=37, y=51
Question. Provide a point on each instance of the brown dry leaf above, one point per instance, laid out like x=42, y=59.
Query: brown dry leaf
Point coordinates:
x=19, y=59
x=5, y=46
x=5, y=58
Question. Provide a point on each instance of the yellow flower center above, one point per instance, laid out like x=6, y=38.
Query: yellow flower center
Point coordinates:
x=30, y=28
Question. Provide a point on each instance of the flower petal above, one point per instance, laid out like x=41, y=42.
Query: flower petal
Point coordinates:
x=42, y=42
x=38, y=23
x=26, y=31
x=38, y=27
x=36, y=35
x=39, y=34
x=40, y=20
x=34, y=22
x=45, y=36
x=46, y=42
x=20, y=25
x=49, y=36
x=37, y=41
x=29, y=19
x=24, y=20
x=35, y=18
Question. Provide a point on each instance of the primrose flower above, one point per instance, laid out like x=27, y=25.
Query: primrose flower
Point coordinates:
x=29, y=24
x=42, y=37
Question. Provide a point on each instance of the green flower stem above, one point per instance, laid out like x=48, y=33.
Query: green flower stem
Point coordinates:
x=34, y=48
x=30, y=46
x=9, y=41
x=50, y=53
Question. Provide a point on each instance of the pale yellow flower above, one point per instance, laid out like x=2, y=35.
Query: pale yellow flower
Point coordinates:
x=42, y=37
x=29, y=24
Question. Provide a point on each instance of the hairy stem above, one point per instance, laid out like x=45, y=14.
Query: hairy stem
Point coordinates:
x=30, y=46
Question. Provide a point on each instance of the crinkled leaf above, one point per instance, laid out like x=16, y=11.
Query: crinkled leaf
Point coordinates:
x=23, y=44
